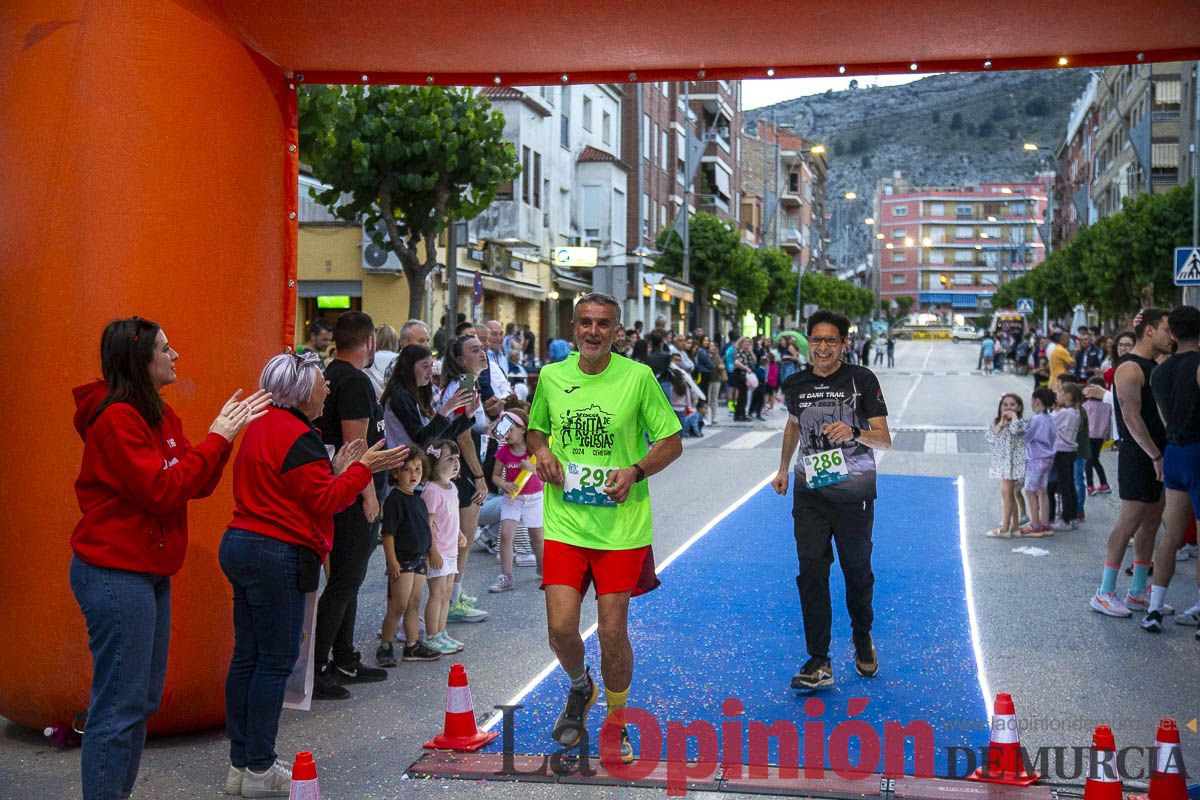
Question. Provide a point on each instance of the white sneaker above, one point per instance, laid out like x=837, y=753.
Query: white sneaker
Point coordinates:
x=1190, y=617
x=1141, y=602
x=233, y=781
x=525, y=560
x=504, y=583
x=1062, y=525
x=1108, y=604
x=275, y=782
x=1182, y=554
x=1193, y=551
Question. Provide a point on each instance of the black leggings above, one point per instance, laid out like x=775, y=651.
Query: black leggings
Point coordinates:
x=1093, y=463
x=1063, y=483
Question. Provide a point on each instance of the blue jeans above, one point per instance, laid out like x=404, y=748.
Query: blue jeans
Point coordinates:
x=128, y=618
x=1080, y=484
x=268, y=615
x=690, y=422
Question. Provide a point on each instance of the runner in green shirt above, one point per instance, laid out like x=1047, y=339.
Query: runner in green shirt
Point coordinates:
x=588, y=426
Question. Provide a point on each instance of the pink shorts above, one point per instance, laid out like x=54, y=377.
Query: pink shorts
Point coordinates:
x=1037, y=473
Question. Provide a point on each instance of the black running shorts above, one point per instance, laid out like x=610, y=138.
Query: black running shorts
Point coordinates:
x=1135, y=474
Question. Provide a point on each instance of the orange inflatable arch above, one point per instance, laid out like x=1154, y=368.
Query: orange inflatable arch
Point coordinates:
x=148, y=155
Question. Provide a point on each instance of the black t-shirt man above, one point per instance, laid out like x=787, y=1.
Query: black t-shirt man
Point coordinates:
x=351, y=396
x=851, y=395
x=1177, y=395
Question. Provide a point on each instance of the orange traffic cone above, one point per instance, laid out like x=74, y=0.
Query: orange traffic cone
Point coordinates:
x=1103, y=782
x=305, y=785
x=1004, y=763
x=460, y=732
x=1166, y=779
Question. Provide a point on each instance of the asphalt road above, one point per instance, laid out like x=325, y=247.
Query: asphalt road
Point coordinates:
x=1067, y=667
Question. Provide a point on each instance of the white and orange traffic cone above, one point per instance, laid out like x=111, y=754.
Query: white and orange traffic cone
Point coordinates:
x=459, y=731
x=1166, y=779
x=1103, y=782
x=305, y=785
x=1004, y=763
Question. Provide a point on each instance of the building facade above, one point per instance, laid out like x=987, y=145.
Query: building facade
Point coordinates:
x=950, y=248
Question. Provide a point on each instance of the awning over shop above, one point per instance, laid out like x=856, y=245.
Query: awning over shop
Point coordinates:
x=521, y=289
x=953, y=299
x=569, y=280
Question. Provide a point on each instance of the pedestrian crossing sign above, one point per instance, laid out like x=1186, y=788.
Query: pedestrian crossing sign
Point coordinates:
x=1024, y=305
x=1187, y=266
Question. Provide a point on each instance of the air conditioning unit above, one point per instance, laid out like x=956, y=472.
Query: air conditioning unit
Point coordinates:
x=375, y=259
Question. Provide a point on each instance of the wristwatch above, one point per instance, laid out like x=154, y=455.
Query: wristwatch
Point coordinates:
x=641, y=473
x=857, y=431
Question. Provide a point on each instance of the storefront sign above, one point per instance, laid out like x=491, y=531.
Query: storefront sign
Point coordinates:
x=576, y=256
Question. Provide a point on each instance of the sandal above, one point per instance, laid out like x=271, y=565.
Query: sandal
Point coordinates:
x=996, y=533
x=1036, y=532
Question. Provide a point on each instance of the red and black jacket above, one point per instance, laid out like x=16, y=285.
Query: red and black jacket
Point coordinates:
x=283, y=482
x=135, y=482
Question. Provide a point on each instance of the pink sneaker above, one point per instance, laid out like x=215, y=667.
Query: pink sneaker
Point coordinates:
x=1108, y=604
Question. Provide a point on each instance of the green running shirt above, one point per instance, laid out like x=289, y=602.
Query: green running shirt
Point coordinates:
x=597, y=423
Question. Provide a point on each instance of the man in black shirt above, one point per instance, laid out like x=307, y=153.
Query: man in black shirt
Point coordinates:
x=837, y=415
x=351, y=412
x=1176, y=387
x=1088, y=357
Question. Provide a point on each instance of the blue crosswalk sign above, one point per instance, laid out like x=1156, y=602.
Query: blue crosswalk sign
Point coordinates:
x=1187, y=266
x=1024, y=305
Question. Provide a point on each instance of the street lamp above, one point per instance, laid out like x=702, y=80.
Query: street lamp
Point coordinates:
x=869, y=221
x=1030, y=147
x=817, y=149
x=642, y=253
x=851, y=195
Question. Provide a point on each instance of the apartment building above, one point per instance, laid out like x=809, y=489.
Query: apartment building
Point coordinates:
x=951, y=247
x=781, y=167
x=1073, y=204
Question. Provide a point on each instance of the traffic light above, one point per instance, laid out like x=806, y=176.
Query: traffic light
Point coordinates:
x=944, y=280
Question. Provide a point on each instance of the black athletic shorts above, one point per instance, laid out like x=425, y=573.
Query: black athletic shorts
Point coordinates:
x=1135, y=474
x=466, y=489
x=412, y=562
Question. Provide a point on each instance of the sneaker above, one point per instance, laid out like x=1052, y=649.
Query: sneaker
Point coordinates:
x=419, y=651
x=326, y=686
x=525, y=560
x=1108, y=604
x=357, y=672
x=463, y=597
x=569, y=727
x=1152, y=622
x=866, y=661
x=444, y=648
x=1063, y=525
x=1091, y=490
x=1036, y=532
x=1103, y=489
x=1193, y=551
x=626, y=746
x=1182, y=554
x=504, y=583
x=815, y=674
x=385, y=655
x=1141, y=602
x=1081, y=518
x=233, y=781
x=463, y=612
x=447, y=639
x=1190, y=617
x=1023, y=521
x=275, y=782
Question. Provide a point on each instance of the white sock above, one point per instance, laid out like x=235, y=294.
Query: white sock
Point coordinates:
x=454, y=593
x=1156, y=596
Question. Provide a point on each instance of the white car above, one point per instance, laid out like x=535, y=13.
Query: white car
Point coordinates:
x=967, y=332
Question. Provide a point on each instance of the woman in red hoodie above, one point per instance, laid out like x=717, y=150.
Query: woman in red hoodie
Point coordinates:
x=138, y=473
x=285, y=493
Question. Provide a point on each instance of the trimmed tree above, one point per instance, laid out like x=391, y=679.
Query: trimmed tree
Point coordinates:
x=717, y=260
x=415, y=157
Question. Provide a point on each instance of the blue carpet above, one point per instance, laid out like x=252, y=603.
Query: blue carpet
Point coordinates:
x=726, y=623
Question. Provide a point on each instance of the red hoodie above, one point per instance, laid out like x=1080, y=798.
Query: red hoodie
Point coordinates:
x=134, y=484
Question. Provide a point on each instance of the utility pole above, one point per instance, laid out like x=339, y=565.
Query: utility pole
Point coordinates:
x=1191, y=294
x=687, y=185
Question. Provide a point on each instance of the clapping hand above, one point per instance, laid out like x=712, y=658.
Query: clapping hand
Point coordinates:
x=237, y=413
x=376, y=459
x=350, y=452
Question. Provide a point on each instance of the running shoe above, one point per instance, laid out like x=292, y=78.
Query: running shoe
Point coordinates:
x=1107, y=603
x=1182, y=554
x=1190, y=617
x=1193, y=551
x=1141, y=602
x=1103, y=489
x=504, y=583
x=357, y=672
x=866, y=661
x=815, y=674
x=326, y=686
x=1152, y=622
x=1036, y=532
x=445, y=648
x=569, y=727
x=525, y=559
x=464, y=612
x=445, y=638
x=468, y=599
x=626, y=746
x=385, y=655
x=1091, y=490
x=1063, y=525
x=1023, y=521
x=419, y=651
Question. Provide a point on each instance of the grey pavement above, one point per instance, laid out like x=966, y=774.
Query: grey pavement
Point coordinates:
x=1067, y=667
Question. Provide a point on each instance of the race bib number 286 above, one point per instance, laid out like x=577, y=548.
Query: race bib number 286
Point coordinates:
x=825, y=469
x=584, y=485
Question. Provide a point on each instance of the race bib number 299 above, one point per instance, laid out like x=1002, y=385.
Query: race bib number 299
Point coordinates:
x=584, y=485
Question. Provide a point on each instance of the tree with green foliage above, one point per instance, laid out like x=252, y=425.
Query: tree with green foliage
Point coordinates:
x=717, y=260
x=836, y=294
x=780, y=299
x=415, y=157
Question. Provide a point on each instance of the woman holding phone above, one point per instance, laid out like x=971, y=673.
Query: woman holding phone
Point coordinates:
x=409, y=414
x=465, y=360
x=138, y=473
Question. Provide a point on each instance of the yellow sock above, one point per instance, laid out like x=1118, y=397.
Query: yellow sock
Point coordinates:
x=616, y=700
